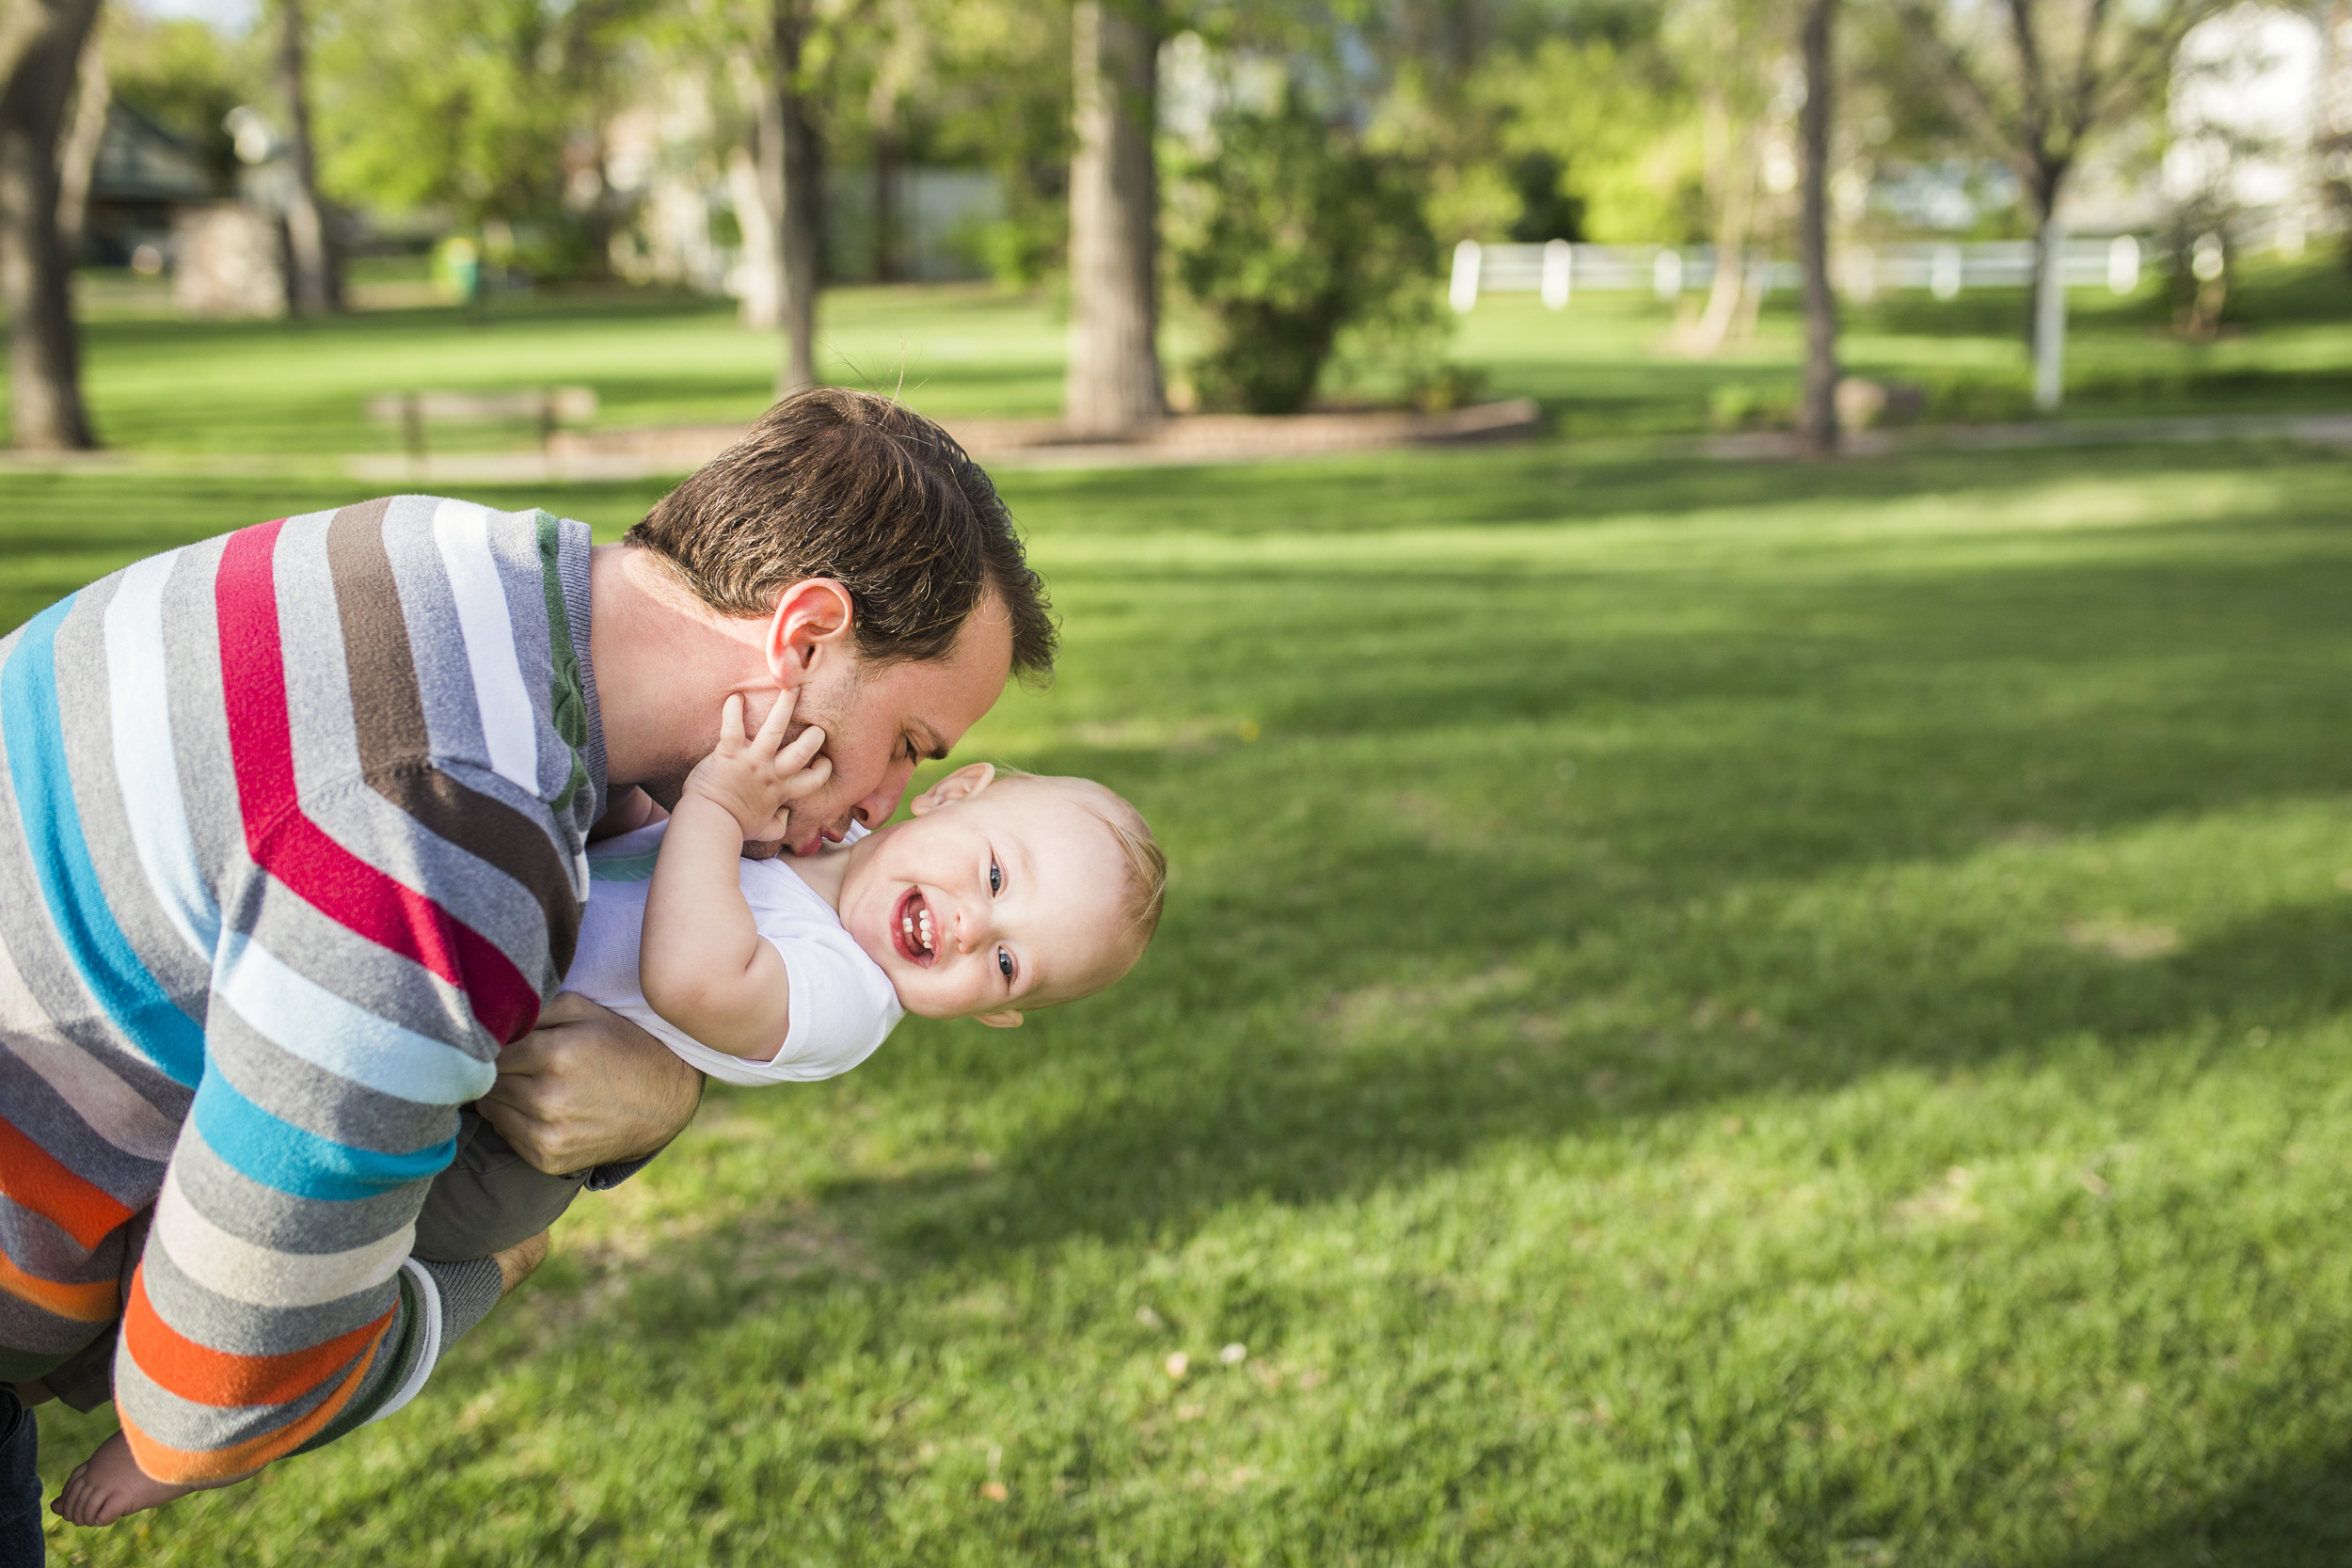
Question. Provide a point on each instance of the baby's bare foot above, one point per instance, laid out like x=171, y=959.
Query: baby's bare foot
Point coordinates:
x=110, y=1485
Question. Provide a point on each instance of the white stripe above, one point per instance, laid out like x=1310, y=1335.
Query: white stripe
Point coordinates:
x=510, y=726
x=233, y=1267
x=110, y=1107
x=138, y=700
x=428, y=1352
x=306, y=1020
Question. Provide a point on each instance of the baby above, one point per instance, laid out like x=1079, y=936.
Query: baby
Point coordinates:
x=1005, y=893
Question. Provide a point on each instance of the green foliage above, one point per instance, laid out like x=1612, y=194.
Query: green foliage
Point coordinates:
x=486, y=111
x=1728, y=1015
x=1288, y=234
x=181, y=74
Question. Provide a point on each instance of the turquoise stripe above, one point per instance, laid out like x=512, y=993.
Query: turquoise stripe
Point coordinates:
x=86, y=927
x=298, y=1161
x=622, y=869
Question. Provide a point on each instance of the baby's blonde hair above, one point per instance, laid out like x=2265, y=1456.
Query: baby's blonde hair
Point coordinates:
x=1147, y=862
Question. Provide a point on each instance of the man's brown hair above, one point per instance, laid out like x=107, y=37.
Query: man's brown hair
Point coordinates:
x=837, y=483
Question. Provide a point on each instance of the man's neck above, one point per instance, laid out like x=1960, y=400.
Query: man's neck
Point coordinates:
x=664, y=662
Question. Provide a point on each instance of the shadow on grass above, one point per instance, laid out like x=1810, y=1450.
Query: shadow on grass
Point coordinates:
x=1413, y=938
x=2294, y=1517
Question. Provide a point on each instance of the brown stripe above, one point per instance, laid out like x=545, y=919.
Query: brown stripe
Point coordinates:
x=395, y=747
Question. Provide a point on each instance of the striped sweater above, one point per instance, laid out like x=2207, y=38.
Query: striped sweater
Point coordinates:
x=292, y=834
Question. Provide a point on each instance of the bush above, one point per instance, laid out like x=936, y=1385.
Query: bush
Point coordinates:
x=1288, y=235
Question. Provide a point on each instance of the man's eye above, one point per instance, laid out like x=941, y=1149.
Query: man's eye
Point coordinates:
x=1004, y=963
x=995, y=878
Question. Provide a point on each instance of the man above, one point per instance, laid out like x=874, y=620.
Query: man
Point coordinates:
x=291, y=830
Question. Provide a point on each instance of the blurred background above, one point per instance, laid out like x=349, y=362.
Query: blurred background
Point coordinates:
x=1733, y=611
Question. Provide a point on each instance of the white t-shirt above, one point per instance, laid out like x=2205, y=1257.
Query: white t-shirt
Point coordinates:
x=842, y=1005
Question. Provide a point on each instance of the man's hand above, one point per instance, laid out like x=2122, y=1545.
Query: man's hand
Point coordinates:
x=588, y=1088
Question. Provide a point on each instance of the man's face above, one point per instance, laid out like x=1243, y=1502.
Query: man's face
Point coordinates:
x=879, y=722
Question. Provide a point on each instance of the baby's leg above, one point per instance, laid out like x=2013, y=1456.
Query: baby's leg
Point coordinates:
x=110, y=1485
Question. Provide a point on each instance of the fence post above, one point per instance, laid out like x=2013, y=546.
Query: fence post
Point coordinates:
x=1462, y=294
x=2122, y=265
x=1559, y=273
x=1665, y=273
x=1943, y=272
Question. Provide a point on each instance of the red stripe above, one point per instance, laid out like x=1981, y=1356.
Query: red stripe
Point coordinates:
x=32, y=1178
x=202, y=1376
x=296, y=850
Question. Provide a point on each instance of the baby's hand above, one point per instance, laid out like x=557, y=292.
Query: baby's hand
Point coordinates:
x=110, y=1485
x=756, y=778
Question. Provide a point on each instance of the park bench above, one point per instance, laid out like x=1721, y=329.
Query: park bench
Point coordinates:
x=545, y=407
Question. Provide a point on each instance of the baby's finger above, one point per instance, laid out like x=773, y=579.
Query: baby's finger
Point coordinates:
x=809, y=780
x=731, y=721
x=779, y=715
x=803, y=747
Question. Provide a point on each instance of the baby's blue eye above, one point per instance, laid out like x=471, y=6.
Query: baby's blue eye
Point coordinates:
x=1004, y=963
x=995, y=878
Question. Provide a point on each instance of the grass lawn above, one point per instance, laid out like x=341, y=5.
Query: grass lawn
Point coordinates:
x=1598, y=368
x=1706, y=1015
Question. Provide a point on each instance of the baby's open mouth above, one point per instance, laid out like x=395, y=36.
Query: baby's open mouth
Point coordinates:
x=912, y=929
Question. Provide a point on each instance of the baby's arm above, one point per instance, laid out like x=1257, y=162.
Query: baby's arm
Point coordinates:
x=703, y=964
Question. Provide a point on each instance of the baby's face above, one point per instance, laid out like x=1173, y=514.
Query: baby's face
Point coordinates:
x=1012, y=897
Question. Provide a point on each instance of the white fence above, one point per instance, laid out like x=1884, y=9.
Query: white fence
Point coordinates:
x=1559, y=269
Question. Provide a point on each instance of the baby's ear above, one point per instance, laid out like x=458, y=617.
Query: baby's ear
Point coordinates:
x=1006, y=1020
x=961, y=785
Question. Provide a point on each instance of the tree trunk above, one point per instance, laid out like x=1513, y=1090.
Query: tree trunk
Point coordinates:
x=36, y=277
x=1817, y=423
x=1729, y=149
x=77, y=160
x=763, y=274
x=2049, y=314
x=1113, y=380
x=788, y=153
x=316, y=286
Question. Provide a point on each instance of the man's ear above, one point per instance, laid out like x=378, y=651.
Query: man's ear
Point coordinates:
x=961, y=785
x=1006, y=1020
x=813, y=619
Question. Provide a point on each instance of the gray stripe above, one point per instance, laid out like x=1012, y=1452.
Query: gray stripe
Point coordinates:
x=83, y=710
x=363, y=972
x=199, y=721
x=34, y=1242
x=514, y=538
x=26, y=1328
x=179, y=1423
x=453, y=709
x=318, y=1102
x=241, y=1330
x=42, y=1115
x=69, y=1011
x=262, y=1215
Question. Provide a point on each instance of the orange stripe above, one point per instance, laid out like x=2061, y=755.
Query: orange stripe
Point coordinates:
x=32, y=1178
x=203, y=1375
x=93, y=1303
x=184, y=1465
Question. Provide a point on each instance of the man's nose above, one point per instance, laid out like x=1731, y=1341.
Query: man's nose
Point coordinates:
x=880, y=806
